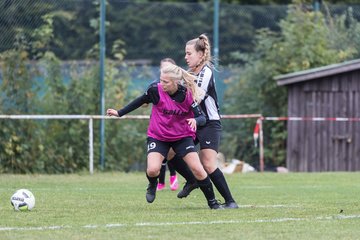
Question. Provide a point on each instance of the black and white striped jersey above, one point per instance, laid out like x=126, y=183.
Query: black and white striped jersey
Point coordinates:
x=206, y=81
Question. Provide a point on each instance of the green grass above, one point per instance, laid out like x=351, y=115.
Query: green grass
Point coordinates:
x=113, y=206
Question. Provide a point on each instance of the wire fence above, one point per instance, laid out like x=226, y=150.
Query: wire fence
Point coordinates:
x=148, y=31
x=139, y=33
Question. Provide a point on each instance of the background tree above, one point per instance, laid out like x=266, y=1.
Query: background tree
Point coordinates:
x=19, y=92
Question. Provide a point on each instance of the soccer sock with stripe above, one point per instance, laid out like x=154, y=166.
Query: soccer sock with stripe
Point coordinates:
x=152, y=180
x=171, y=168
x=218, y=179
x=207, y=188
x=162, y=172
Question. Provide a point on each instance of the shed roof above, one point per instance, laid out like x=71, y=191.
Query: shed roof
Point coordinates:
x=319, y=72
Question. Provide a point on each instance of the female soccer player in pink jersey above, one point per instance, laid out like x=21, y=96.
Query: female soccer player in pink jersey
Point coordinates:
x=175, y=116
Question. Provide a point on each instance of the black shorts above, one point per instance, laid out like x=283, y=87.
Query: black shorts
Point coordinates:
x=180, y=147
x=209, y=135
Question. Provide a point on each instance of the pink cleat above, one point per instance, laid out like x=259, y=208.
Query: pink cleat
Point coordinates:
x=160, y=186
x=174, y=185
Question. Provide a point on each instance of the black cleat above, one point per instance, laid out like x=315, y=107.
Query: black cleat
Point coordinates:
x=151, y=192
x=230, y=205
x=187, y=189
x=214, y=204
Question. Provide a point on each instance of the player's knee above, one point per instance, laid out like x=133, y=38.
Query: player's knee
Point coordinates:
x=152, y=171
x=199, y=172
x=209, y=167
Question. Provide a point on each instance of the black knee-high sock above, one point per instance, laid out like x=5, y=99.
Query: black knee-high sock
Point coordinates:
x=182, y=168
x=207, y=188
x=218, y=179
x=152, y=180
x=171, y=168
x=162, y=172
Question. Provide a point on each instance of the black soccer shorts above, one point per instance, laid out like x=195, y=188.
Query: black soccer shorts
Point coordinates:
x=180, y=147
x=209, y=135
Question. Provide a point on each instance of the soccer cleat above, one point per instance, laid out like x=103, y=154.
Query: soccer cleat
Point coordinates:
x=230, y=205
x=214, y=204
x=187, y=189
x=160, y=186
x=151, y=192
x=174, y=185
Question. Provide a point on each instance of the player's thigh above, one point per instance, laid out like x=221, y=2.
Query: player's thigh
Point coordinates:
x=193, y=161
x=154, y=161
x=156, y=152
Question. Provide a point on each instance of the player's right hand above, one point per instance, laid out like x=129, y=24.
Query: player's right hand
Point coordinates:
x=112, y=112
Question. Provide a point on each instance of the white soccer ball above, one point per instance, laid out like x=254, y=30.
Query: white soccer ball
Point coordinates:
x=23, y=200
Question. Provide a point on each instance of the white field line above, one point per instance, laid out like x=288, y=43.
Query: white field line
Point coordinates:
x=269, y=206
x=154, y=224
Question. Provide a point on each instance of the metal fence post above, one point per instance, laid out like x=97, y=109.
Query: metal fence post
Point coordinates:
x=261, y=144
x=216, y=37
x=102, y=79
x=91, y=146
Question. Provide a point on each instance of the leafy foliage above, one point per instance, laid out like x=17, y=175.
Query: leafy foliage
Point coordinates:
x=307, y=40
x=18, y=95
x=51, y=86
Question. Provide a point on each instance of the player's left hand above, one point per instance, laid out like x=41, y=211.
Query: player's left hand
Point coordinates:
x=192, y=123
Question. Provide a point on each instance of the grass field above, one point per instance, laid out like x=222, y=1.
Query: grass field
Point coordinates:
x=113, y=206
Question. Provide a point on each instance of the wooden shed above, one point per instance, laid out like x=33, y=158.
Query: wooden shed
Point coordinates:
x=324, y=144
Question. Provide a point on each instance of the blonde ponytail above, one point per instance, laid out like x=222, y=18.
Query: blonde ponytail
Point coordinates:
x=189, y=82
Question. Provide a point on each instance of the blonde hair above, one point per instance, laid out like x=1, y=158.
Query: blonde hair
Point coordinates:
x=202, y=44
x=167, y=60
x=176, y=73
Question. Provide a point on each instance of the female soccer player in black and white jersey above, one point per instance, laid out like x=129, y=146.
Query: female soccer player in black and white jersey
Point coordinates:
x=198, y=59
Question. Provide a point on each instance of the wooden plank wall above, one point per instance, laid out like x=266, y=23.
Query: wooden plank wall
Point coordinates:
x=324, y=145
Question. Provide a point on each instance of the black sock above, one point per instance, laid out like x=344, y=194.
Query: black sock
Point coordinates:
x=152, y=180
x=218, y=179
x=207, y=188
x=162, y=172
x=182, y=168
x=171, y=168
